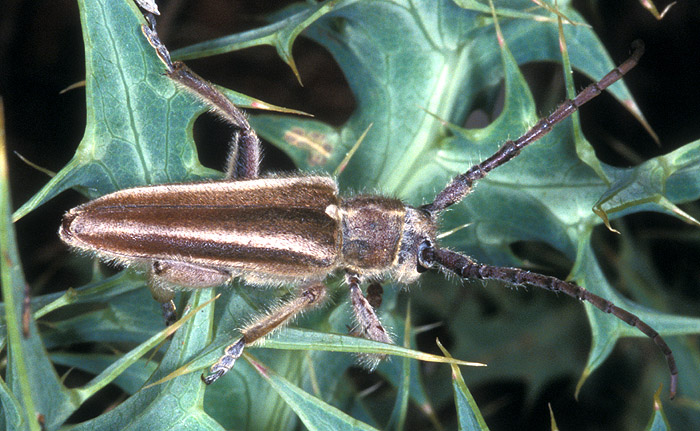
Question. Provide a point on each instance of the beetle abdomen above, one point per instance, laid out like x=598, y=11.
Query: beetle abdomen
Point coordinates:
x=276, y=227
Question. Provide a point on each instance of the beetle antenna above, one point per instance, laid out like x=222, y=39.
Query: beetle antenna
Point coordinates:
x=462, y=185
x=466, y=267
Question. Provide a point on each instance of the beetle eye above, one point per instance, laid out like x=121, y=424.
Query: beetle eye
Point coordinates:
x=425, y=256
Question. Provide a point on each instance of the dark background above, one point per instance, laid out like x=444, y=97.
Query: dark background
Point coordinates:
x=41, y=53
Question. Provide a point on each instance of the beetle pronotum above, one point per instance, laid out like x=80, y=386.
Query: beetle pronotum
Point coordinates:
x=280, y=230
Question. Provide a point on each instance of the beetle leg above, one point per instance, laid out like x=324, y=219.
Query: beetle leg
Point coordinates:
x=307, y=298
x=244, y=155
x=164, y=277
x=368, y=324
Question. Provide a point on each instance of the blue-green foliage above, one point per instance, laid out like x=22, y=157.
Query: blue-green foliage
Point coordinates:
x=416, y=69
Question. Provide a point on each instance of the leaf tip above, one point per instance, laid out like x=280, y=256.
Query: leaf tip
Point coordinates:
x=600, y=212
x=581, y=381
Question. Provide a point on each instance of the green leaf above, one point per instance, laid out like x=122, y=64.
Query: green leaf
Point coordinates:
x=280, y=35
x=32, y=389
x=658, y=420
x=313, y=412
x=607, y=331
x=130, y=380
x=134, y=132
x=21, y=410
x=655, y=184
x=176, y=403
x=416, y=70
x=470, y=417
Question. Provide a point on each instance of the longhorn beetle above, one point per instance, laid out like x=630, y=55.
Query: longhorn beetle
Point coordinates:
x=281, y=230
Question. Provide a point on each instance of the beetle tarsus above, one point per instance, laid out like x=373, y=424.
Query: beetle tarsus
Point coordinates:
x=225, y=363
x=169, y=312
